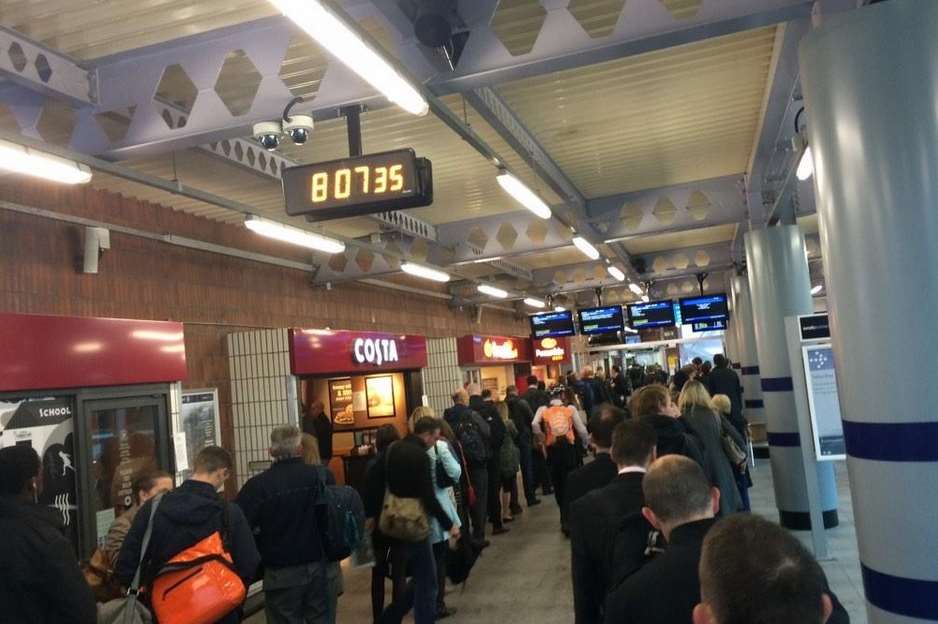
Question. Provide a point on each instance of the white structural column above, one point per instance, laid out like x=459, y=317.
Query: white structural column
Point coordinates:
x=870, y=80
x=780, y=286
x=753, y=407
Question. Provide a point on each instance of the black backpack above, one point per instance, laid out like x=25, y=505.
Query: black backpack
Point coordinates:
x=469, y=436
x=342, y=521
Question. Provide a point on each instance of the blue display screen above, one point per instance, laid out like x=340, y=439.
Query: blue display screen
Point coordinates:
x=709, y=325
x=605, y=320
x=702, y=309
x=552, y=324
x=651, y=314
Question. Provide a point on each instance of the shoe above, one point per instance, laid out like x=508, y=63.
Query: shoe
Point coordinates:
x=481, y=544
x=500, y=531
x=533, y=502
x=444, y=612
x=508, y=519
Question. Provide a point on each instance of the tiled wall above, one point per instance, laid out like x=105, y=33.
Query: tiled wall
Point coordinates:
x=263, y=395
x=442, y=374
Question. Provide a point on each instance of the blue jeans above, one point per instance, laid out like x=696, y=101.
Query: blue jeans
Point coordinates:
x=420, y=593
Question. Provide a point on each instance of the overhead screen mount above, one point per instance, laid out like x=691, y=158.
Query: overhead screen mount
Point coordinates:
x=360, y=185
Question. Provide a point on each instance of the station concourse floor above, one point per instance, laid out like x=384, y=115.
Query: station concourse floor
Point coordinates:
x=524, y=578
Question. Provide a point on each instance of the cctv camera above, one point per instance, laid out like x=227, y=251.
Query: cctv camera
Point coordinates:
x=268, y=134
x=298, y=127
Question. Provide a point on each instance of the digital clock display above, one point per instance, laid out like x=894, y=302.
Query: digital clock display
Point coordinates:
x=357, y=186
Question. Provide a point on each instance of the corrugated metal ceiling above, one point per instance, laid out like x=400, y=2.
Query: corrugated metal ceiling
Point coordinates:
x=657, y=119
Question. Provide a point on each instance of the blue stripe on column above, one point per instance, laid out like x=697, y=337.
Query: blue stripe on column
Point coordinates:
x=783, y=439
x=754, y=403
x=905, y=596
x=777, y=384
x=749, y=370
x=896, y=442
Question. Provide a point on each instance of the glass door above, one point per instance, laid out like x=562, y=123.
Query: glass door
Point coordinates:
x=123, y=437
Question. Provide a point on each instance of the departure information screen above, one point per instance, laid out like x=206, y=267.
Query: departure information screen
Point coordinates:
x=552, y=324
x=360, y=185
x=651, y=314
x=702, y=309
x=606, y=320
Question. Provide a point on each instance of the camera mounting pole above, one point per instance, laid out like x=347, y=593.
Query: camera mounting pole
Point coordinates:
x=354, y=124
x=701, y=277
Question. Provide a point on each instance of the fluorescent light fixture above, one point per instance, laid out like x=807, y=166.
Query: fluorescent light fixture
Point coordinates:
x=534, y=303
x=523, y=195
x=349, y=48
x=292, y=235
x=559, y=309
x=645, y=299
x=805, y=165
x=586, y=247
x=27, y=161
x=630, y=330
x=491, y=291
x=817, y=289
x=418, y=270
x=616, y=272
x=635, y=288
x=484, y=260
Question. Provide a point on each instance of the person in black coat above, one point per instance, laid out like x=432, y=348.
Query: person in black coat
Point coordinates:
x=318, y=424
x=653, y=405
x=537, y=397
x=602, y=470
x=373, y=500
x=522, y=415
x=40, y=581
x=745, y=555
x=186, y=516
x=608, y=533
x=724, y=380
x=621, y=388
x=481, y=401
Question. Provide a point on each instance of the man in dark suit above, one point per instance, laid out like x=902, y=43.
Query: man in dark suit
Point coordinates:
x=679, y=502
x=537, y=398
x=602, y=470
x=608, y=532
x=724, y=380
x=620, y=386
x=481, y=401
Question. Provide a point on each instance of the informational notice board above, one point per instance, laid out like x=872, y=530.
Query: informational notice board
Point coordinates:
x=824, y=402
x=199, y=427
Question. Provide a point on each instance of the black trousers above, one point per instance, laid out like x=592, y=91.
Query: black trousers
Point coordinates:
x=563, y=460
x=440, y=549
x=541, y=470
x=494, y=494
x=527, y=470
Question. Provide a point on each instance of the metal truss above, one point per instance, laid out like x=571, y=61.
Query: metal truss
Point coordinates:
x=38, y=68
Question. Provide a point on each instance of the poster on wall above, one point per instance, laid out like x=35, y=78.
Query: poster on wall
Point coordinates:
x=341, y=401
x=199, y=426
x=46, y=424
x=379, y=392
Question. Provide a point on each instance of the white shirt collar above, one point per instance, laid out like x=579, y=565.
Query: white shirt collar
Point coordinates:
x=630, y=469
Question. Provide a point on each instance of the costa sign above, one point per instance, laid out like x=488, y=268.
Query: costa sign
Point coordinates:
x=377, y=352
x=327, y=352
x=551, y=350
x=492, y=350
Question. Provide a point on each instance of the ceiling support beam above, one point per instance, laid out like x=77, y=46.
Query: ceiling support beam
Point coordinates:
x=35, y=67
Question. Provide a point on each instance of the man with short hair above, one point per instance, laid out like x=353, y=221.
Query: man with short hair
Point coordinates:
x=537, y=397
x=473, y=434
x=602, y=470
x=481, y=401
x=754, y=571
x=185, y=517
x=620, y=386
x=608, y=533
x=280, y=506
x=41, y=581
x=522, y=416
x=724, y=380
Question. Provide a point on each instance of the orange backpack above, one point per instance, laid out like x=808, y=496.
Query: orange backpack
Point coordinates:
x=197, y=586
x=559, y=424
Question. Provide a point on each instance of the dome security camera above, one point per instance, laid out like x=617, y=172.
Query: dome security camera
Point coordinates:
x=298, y=128
x=268, y=134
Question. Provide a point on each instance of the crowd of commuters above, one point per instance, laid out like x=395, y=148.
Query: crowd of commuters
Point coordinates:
x=654, y=520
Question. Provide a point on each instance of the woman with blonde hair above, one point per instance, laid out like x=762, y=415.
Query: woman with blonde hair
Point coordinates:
x=724, y=407
x=697, y=411
x=509, y=462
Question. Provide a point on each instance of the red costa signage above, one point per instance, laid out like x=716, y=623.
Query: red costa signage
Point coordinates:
x=492, y=350
x=550, y=350
x=327, y=352
x=57, y=352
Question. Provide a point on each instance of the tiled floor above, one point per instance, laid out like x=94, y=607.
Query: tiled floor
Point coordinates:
x=525, y=576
